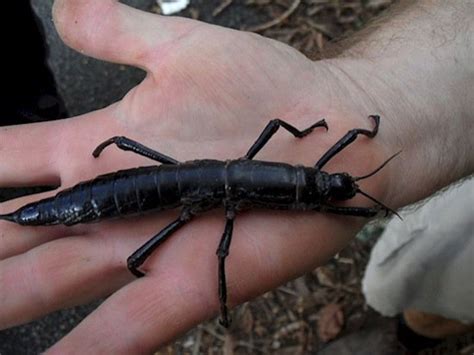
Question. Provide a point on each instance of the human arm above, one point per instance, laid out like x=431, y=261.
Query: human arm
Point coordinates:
x=416, y=64
x=231, y=84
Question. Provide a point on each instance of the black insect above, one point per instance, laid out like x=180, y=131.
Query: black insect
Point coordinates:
x=201, y=185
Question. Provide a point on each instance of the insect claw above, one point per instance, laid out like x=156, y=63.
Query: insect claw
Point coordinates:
x=132, y=266
x=225, y=322
x=387, y=209
x=396, y=214
x=137, y=273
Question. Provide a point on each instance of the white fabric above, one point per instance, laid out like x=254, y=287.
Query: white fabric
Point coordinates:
x=426, y=261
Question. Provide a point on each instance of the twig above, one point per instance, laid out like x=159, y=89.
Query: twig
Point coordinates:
x=197, y=344
x=246, y=344
x=288, y=291
x=320, y=28
x=208, y=329
x=277, y=20
x=221, y=7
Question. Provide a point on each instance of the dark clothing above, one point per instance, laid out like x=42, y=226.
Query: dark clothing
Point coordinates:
x=28, y=89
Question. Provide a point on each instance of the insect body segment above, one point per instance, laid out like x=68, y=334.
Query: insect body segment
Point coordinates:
x=201, y=185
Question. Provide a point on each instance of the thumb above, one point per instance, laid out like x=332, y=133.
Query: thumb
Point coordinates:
x=115, y=32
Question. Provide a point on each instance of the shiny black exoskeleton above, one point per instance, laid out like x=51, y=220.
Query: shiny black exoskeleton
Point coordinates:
x=201, y=185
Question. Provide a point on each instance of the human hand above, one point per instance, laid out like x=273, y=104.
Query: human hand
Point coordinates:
x=208, y=94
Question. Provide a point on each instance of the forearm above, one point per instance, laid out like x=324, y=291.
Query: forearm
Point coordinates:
x=416, y=70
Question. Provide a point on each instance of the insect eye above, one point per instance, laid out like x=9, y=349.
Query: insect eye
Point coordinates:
x=342, y=186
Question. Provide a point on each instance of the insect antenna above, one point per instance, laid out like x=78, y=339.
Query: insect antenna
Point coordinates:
x=378, y=169
x=387, y=209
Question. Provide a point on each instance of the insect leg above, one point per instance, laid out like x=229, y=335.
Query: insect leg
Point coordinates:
x=222, y=252
x=272, y=127
x=125, y=143
x=347, y=139
x=351, y=211
x=135, y=260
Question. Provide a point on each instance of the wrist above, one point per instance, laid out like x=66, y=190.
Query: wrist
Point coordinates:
x=416, y=71
x=425, y=110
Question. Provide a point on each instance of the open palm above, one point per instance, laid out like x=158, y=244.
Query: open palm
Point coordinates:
x=208, y=93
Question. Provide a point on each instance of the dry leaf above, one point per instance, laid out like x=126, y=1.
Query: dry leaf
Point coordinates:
x=331, y=321
x=325, y=277
x=246, y=321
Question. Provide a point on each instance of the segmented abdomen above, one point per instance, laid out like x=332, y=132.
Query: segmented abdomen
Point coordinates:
x=198, y=185
x=126, y=192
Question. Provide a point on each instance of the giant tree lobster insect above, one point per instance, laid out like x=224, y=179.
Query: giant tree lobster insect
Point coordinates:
x=201, y=185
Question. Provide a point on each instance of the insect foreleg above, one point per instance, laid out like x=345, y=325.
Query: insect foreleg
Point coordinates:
x=125, y=143
x=222, y=252
x=271, y=129
x=135, y=260
x=347, y=139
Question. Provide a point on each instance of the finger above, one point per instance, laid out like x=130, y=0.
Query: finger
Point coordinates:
x=41, y=154
x=72, y=156
x=36, y=154
x=140, y=318
x=144, y=333
x=180, y=289
x=115, y=32
x=16, y=239
x=28, y=158
x=57, y=275
x=70, y=271
x=27, y=154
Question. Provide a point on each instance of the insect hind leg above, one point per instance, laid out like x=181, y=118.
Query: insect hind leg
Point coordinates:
x=222, y=252
x=135, y=260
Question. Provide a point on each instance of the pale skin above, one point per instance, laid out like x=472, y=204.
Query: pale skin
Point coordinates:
x=208, y=94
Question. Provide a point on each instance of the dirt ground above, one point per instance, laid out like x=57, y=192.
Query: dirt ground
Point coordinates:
x=304, y=24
